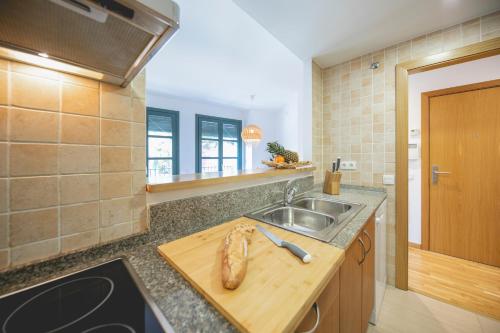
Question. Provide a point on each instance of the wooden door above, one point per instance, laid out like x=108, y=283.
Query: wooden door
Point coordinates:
x=464, y=140
x=368, y=292
x=351, y=290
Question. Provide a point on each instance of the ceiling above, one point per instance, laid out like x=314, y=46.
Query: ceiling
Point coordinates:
x=333, y=31
x=222, y=55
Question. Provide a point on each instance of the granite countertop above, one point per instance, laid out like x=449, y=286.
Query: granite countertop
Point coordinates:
x=183, y=306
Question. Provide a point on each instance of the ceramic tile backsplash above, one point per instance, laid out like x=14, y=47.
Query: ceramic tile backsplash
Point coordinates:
x=66, y=179
x=358, y=108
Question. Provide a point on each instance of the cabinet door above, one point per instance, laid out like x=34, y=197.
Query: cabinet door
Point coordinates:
x=328, y=303
x=368, y=236
x=350, y=289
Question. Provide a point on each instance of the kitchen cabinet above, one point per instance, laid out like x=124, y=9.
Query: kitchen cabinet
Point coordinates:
x=357, y=281
x=329, y=305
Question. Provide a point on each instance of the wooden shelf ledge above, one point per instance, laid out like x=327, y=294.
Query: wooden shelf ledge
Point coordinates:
x=187, y=181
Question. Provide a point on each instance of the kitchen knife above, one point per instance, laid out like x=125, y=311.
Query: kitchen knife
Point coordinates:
x=306, y=257
x=338, y=164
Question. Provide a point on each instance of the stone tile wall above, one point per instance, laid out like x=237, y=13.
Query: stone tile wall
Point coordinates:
x=72, y=163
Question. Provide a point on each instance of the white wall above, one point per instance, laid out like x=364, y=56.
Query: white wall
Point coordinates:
x=457, y=75
x=270, y=121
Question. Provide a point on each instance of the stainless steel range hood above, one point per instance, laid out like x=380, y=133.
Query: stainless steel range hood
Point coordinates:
x=109, y=40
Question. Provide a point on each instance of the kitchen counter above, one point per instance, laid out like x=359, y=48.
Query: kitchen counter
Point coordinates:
x=183, y=306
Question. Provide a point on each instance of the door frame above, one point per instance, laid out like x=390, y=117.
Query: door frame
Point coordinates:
x=467, y=53
x=425, y=137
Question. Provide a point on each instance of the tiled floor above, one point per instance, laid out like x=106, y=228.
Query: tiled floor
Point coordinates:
x=409, y=312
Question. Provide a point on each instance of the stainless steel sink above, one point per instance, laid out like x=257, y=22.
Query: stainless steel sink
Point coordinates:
x=293, y=217
x=332, y=208
x=315, y=217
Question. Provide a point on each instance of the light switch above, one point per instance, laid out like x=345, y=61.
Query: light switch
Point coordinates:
x=388, y=180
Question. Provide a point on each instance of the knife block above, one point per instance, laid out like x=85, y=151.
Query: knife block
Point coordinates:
x=332, y=182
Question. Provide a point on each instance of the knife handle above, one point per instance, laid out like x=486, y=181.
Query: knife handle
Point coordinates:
x=306, y=257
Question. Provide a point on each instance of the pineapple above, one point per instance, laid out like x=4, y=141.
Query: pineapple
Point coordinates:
x=275, y=149
x=291, y=156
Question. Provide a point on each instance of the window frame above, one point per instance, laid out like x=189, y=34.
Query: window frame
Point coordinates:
x=175, y=137
x=220, y=126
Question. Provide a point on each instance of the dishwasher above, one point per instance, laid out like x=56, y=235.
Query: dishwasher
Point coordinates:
x=380, y=260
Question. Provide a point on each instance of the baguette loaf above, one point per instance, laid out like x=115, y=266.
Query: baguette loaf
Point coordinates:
x=234, y=258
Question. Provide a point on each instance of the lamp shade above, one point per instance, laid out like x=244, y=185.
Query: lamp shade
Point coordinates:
x=251, y=133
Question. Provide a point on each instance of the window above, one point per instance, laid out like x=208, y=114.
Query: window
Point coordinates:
x=218, y=145
x=162, y=143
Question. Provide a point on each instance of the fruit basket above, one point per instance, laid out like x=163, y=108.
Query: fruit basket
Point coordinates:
x=282, y=158
x=285, y=165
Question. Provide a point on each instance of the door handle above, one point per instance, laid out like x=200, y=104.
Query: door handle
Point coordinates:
x=363, y=248
x=436, y=173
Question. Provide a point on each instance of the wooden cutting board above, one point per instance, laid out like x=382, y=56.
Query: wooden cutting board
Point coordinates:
x=278, y=289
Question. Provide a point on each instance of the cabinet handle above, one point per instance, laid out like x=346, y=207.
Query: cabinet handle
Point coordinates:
x=364, y=251
x=318, y=319
x=370, y=239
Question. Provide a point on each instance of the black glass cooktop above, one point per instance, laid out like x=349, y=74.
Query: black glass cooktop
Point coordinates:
x=106, y=298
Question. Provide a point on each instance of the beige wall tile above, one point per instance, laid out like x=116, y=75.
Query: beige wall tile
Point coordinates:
x=116, y=185
x=79, y=188
x=139, y=85
x=3, y=87
x=79, y=218
x=4, y=195
x=4, y=234
x=4, y=259
x=3, y=159
x=115, y=159
x=115, y=232
x=138, y=159
x=79, y=241
x=33, y=226
x=114, y=89
x=138, y=135
x=138, y=110
x=19, y=67
x=33, y=126
x=79, y=99
x=471, y=32
x=4, y=64
x=140, y=226
x=490, y=26
x=81, y=81
x=78, y=159
x=115, y=106
x=3, y=124
x=115, y=132
x=139, y=183
x=116, y=211
x=27, y=159
x=138, y=207
x=79, y=129
x=34, y=252
x=33, y=192
x=34, y=92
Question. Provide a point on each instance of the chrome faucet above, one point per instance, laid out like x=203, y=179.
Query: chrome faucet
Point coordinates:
x=291, y=189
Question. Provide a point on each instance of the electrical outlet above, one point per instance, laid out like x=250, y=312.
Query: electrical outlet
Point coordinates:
x=388, y=179
x=348, y=165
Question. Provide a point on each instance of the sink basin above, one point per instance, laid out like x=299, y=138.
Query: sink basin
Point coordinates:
x=314, y=217
x=332, y=208
x=293, y=217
